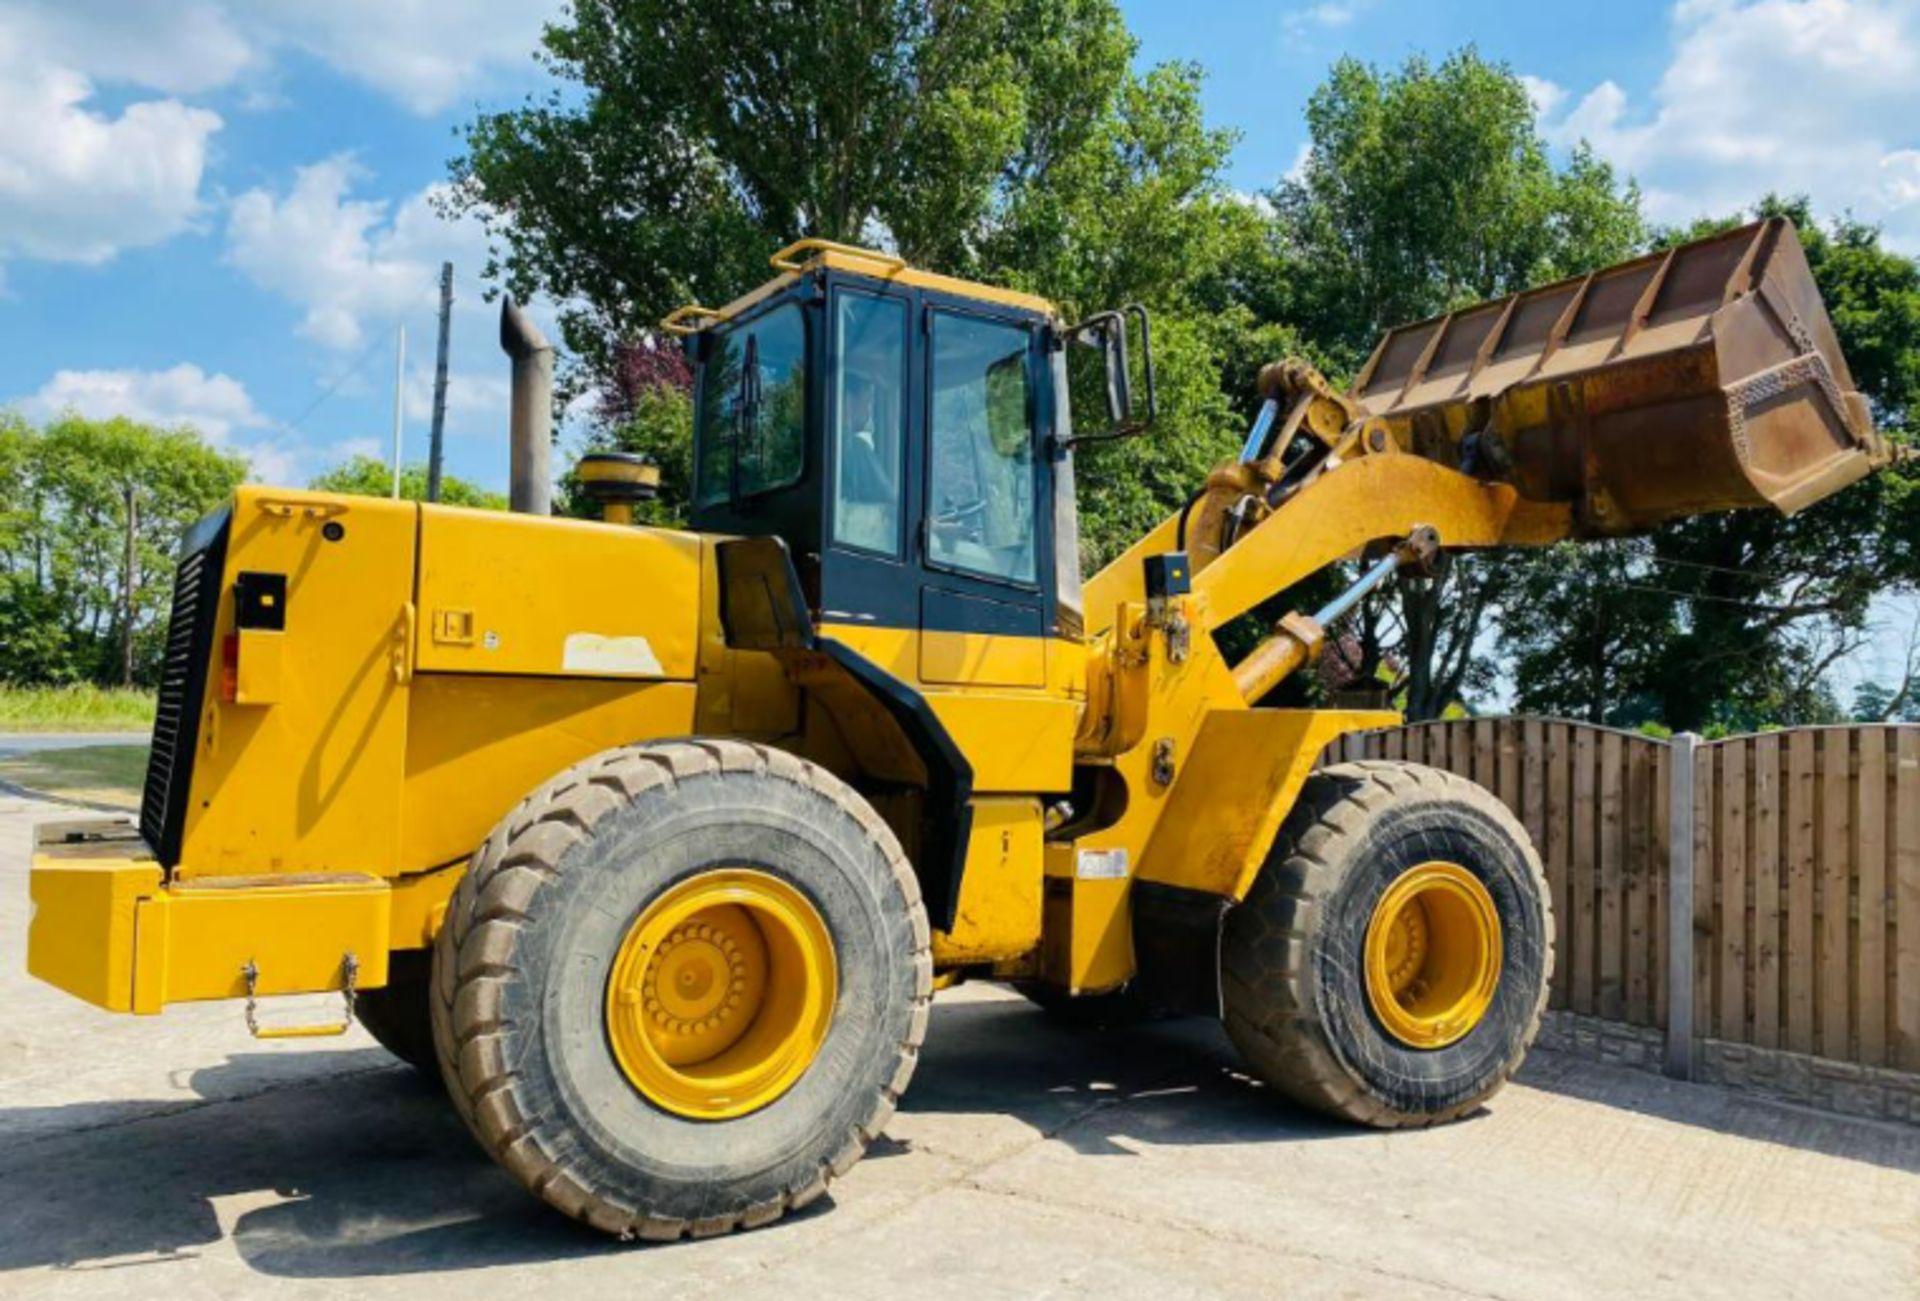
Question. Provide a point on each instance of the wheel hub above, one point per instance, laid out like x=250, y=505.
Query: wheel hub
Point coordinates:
x=1433, y=955
x=698, y=978
x=721, y=994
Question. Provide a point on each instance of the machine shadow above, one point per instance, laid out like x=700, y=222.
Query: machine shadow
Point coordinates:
x=367, y=1171
x=357, y=1173
x=1102, y=1092
x=370, y=1173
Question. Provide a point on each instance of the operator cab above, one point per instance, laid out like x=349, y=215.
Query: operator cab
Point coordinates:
x=905, y=434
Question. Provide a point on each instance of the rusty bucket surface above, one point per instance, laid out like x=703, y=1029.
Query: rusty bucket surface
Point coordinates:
x=1703, y=378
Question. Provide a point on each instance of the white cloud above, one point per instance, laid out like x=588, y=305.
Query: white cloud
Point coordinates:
x=469, y=393
x=181, y=49
x=280, y=464
x=350, y=263
x=78, y=184
x=426, y=54
x=1820, y=97
x=1297, y=169
x=1334, y=13
x=348, y=448
x=1900, y=177
x=216, y=404
x=1546, y=95
x=1252, y=199
x=356, y=267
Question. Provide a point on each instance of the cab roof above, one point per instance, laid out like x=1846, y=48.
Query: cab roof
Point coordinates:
x=808, y=255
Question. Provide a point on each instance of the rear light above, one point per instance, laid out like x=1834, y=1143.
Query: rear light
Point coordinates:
x=230, y=667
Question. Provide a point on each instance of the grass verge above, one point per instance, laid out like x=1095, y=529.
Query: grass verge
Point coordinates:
x=74, y=709
x=95, y=774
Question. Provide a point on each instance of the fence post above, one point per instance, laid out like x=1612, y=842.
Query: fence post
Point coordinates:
x=1680, y=868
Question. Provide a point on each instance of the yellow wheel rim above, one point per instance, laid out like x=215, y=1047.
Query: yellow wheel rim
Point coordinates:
x=721, y=994
x=1433, y=955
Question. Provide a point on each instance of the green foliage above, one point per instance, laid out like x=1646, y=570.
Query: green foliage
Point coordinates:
x=1428, y=188
x=1009, y=140
x=1873, y=703
x=77, y=708
x=1583, y=631
x=1126, y=488
x=369, y=476
x=681, y=144
x=63, y=536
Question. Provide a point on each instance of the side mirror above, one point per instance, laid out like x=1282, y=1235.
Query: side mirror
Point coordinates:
x=1107, y=332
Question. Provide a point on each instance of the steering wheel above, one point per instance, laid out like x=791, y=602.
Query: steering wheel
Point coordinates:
x=955, y=515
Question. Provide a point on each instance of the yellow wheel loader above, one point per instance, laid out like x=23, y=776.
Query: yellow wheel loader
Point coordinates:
x=656, y=844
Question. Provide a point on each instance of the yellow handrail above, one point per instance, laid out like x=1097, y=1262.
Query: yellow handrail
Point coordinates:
x=673, y=323
x=785, y=260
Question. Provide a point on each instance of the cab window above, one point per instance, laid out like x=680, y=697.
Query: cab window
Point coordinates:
x=980, y=472
x=752, y=408
x=868, y=407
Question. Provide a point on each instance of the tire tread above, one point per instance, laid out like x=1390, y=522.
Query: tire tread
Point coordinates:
x=475, y=949
x=1271, y=1013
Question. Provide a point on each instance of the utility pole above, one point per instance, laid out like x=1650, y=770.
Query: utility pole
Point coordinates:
x=399, y=401
x=440, y=384
x=129, y=577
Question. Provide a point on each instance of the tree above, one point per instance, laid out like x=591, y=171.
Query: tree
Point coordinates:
x=1424, y=189
x=369, y=476
x=1874, y=703
x=66, y=590
x=1579, y=627
x=1009, y=140
x=1763, y=605
x=1427, y=188
x=645, y=407
x=683, y=143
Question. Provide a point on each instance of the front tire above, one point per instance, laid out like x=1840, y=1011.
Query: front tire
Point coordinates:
x=1390, y=964
x=620, y=1004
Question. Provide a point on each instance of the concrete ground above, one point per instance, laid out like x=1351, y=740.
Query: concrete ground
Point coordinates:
x=38, y=742
x=176, y=1154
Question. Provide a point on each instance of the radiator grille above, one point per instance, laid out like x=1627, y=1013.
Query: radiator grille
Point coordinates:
x=183, y=685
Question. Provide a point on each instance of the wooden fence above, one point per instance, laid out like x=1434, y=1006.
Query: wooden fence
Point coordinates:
x=1803, y=875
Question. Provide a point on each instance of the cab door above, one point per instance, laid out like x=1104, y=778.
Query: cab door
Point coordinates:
x=985, y=555
x=937, y=563
x=936, y=560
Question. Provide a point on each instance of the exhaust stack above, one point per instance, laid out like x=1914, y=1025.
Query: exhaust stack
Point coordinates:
x=530, y=485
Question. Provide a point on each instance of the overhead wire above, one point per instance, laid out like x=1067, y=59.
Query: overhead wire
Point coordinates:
x=1748, y=572
x=338, y=380
x=1761, y=606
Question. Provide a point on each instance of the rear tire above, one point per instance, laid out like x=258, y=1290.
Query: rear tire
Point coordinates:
x=528, y=965
x=1295, y=952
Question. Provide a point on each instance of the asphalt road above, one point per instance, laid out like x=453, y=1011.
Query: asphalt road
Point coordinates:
x=174, y=1155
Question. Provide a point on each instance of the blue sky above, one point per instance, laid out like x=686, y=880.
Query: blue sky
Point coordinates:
x=218, y=211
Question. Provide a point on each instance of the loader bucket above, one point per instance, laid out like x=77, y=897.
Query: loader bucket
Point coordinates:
x=1703, y=378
